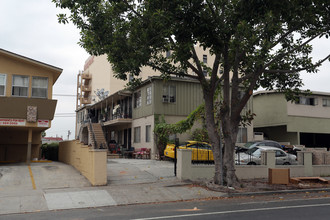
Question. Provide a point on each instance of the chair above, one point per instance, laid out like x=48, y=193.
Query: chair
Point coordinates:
x=146, y=153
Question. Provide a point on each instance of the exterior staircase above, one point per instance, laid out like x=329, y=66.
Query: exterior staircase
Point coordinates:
x=96, y=135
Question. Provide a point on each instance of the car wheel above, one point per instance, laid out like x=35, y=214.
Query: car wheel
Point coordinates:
x=286, y=163
x=251, y=163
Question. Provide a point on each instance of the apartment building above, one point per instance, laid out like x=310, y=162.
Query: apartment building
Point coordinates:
x=26, y=105
x=128, y=117
x=303, y=122
x=98, y=75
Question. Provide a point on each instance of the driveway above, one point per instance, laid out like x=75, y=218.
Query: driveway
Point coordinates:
x=40, y=176
x=133, y=171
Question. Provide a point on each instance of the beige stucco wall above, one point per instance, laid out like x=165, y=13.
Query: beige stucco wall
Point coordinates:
x=314, y=111
x=143, y=122
x=270, y=110
x=92, y=163
x=187, y=171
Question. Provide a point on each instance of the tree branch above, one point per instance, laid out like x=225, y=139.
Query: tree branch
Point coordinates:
x=280, y=56
x=170, y=72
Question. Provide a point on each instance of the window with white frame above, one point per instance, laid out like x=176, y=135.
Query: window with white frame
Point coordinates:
x=306, y=101
x=20, y=86
x=242, y=135
x=137, y=99
x=326, y=102
x=39, y=87
x=169, y=93
x=204, y=58
x=137, y=134
x=2, y=84
x=149, y=95
x=148, y=133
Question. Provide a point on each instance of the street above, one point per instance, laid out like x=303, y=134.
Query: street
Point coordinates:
x=288, y=206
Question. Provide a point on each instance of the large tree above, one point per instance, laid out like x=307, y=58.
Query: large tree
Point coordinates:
x=255, y=43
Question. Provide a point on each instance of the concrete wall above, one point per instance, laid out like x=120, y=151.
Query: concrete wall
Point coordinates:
x=92, y=163
x=188, y=171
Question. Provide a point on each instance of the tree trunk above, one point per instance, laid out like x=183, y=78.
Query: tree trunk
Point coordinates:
x=230, y=130
x=213, y=135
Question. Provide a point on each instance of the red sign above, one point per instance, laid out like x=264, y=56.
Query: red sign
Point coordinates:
x=12, y=122
x=43, y=123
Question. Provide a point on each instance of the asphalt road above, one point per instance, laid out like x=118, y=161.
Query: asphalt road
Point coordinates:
x=300, y=206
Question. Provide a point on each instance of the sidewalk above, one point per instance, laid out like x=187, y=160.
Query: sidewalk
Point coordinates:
x=59, y=186
x=130, y=182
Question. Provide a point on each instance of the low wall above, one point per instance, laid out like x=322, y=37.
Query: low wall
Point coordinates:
x=92, y=163
x=188, y=171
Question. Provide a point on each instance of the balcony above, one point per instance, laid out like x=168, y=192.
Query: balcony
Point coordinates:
x=85, y=101
x=86, y=88
x=15, y=107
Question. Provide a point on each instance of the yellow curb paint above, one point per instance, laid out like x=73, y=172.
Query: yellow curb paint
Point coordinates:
x=32, y=179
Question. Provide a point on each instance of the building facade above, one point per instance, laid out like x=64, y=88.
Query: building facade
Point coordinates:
x=128, y=117
x=27, y=107
x=303, y=122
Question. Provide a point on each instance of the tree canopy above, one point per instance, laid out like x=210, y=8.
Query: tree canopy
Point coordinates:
x=253, y=43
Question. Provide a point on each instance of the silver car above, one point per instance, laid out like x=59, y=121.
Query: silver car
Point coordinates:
x=253, y=156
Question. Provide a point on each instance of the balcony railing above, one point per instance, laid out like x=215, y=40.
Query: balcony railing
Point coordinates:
x=85, y=101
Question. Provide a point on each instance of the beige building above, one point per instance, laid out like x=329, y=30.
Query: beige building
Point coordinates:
x=304, y=122
x=98, y=74
x=27, y=107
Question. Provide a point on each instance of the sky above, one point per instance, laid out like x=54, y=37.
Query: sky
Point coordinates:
x=30, y=28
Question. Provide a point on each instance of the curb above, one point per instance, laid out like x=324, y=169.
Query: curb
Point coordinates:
x=277, y=192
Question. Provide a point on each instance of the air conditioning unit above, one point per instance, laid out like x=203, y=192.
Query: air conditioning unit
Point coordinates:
x=165, y=98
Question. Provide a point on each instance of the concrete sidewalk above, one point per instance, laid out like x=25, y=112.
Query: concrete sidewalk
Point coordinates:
x=59, y=186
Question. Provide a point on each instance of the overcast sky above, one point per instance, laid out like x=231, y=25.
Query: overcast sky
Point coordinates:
x=30, y=28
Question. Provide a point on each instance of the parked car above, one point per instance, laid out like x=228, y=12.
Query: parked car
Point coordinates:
x=201, y=151
x=252, y=144
x=253, y=156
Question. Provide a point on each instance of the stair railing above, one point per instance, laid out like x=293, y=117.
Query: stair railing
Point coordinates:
x=93, y=134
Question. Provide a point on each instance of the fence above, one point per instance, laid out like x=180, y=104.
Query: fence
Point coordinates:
x=186, y=170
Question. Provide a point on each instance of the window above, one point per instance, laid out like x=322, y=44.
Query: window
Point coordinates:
x=242, y=135
x=137, y=134
x=20, y=86
x=306, y=101
x=326, y=102
x=130, y=78
x=137, y=99
x=148, y=133
x=204, y=58
x=169, y=94
x=204, y=72
x=149, y=95
x=39, y=87
x=2, y=84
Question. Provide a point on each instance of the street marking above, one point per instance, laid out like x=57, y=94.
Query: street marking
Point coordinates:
x=232, y=211
x=32, y=179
